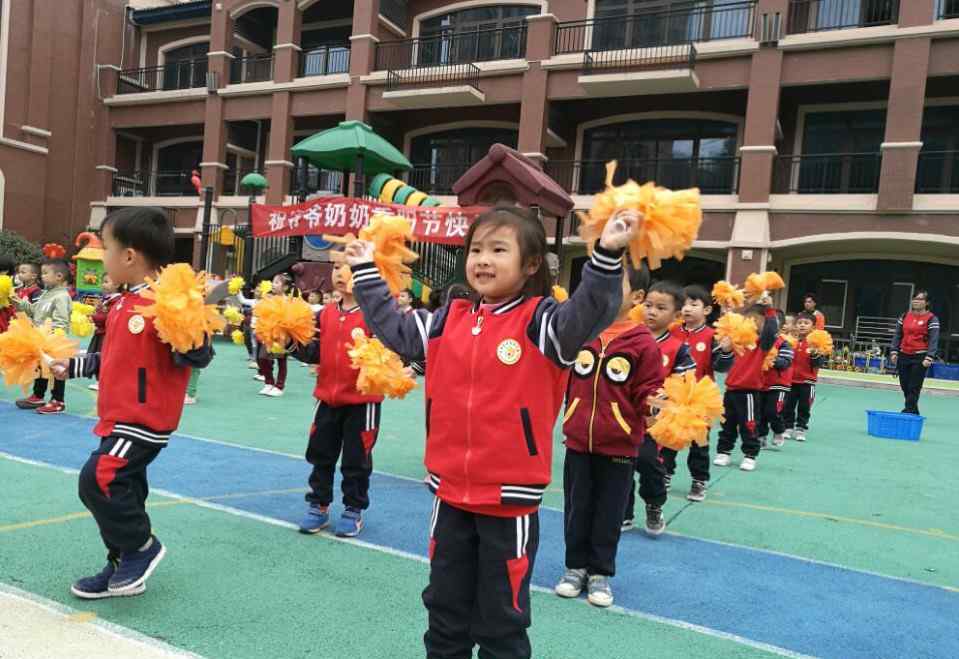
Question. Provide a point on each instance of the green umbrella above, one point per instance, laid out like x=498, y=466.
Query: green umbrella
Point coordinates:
x=337, y=149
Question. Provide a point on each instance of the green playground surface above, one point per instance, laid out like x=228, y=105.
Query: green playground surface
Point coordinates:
x=239, y=586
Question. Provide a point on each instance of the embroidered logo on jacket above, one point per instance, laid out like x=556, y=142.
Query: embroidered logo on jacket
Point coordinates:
x=509, y=351
x=136, y=324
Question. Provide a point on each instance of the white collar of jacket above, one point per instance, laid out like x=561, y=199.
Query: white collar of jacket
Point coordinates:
x=505, y=307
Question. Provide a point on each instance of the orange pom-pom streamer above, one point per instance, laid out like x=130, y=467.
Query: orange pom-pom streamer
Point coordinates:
x=389, y=235
x=281, y=319
x=25, y=350
x=820, y=341
x=671, y=219
x=638, y=314
x=728, y=296
x=180, y=314
x=560, y=294
x=742, y=332
x=687, y=408
x=770, y=358
x=759, y=285
x=381, y=370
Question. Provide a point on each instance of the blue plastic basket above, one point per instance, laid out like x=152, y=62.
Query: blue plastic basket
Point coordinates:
x=893, y=425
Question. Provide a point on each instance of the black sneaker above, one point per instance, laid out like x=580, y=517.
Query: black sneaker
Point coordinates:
x=135, y=568
x=697, y=491
x=655, y=524
x=668, y=480
x=97, y=586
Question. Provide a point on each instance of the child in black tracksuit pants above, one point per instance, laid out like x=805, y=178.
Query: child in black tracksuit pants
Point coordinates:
x=806, y=365
x=142, y=387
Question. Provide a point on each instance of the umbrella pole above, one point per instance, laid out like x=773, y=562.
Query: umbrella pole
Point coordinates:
x=359, y=179
x=345, y=186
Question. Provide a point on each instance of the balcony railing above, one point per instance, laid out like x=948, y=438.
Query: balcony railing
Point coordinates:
x=830, y=173
x=822, y=15
x=317, y=180
x=434, y=76
x=232, y=178
x=674, y=26
x=153, y=184
x=676, y=56
x=325, y=60
x=181, y=74
x=436, y=179
x=255, y=68
x=947, y=9
x=710, y=175
x=938, y=172
x=453, y=48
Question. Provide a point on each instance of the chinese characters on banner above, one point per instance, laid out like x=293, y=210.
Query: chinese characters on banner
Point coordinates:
x=342, y=215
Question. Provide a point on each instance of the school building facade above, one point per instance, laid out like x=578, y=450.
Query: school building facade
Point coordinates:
x=821, y=132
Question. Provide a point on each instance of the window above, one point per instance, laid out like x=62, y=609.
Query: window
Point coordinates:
x=939, y=160
x=676, y=153
x=948, y=9
x=832, y=302
x=841, y=151
x=439, y=159
x=326, y=51
x=185, y=68
x=174, y=164
x=645, y=23
x=475, y=35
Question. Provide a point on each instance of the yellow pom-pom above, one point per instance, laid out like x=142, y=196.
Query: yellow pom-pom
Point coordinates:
x=728, y=296
x=687, y=408
x=6, y=290
x=671, y=219
x=265, y=287
x=638, y=314
x=389, y=234
x=80, y=324
x=820, y=341
x=281, y=319
x=381, y=370
x=235, y=285
x=82, y=309
x=26, y=348
x=741, y=331
x=233, y=315
x=237, y=336
x=758, y=285
x=560, y=294
x=180, y=314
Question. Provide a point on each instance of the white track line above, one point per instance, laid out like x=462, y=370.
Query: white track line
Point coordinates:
x=679, y=624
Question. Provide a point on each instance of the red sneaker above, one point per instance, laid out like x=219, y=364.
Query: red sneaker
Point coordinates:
x=31, y=403
x=53, y=407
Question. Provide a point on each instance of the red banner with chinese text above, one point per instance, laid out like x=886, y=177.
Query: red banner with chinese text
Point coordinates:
x=343, y=215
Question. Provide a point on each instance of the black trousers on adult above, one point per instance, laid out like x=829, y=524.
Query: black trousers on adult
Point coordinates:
x=480, y=568
x=697, y=460
x=771, y=412
x=799, y=406
x=40, y=388
x=652, y=477
x=596, y=488
x=113, y=486
x=742, y=418
x=912, y=374
x=350, y=430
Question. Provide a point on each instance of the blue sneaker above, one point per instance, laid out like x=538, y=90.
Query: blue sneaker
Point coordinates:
x=317, y=518
x=350, y=524
x=97, y=586
x=135, y=568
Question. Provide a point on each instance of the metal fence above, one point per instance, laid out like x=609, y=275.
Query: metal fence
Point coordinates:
x=325, y=60
x=710, y=175
x=450, y=47
x=437, y=265
x=255, y=68
x=180, y=74
x=153, y=184
x=822, y=15
x=434, y=76
x=675, y=56
x=938, y=172
x=828, y=173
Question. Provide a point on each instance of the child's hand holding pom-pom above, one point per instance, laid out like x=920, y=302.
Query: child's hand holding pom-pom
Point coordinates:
x=180, y=314
x=381, y=370
x=820, y=341
x=687, y=408
x=740, y=330
x=26, y=348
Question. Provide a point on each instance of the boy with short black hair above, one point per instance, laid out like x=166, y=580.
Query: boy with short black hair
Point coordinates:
x=777, y=382
x=710, y=358
x=744, y=384
x=142, y=388
x=605, y=434
x=29, y=275
x=806, y=365
x=53, y=304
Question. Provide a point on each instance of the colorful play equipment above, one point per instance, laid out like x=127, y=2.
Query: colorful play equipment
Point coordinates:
x=89, y=264
x=391, y=190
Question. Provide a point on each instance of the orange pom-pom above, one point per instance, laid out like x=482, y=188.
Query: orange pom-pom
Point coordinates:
x=758, y=285
x=180, y=314
x=770, y=358
x=741, y=331
x=820, y=341
x=381, y=370
x=560, y=294
x=281, y=319
x=25, y=350
x=389, y=234
x=671, y=219
x=638, y=314
x=728, y=296
x=687, y=408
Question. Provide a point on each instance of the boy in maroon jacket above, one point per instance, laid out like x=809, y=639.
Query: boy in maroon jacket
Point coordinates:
x=605, y=432
x=346, y=422
x=142, y=385
x=744, y=384
x=806, y=365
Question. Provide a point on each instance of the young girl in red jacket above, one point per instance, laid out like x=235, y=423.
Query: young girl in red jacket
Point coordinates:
x=496, y=374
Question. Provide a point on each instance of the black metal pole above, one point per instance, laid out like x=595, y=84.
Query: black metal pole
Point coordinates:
x=248, y=242
x=301, y=166
x=205, y=236
x=558, y=242
x=358, y=178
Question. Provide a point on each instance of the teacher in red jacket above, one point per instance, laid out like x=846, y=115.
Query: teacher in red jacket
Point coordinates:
x=914, y=348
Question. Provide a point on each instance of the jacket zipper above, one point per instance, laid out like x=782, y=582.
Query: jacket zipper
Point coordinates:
x=477, y=329
x=592, y=413
x=336, y=360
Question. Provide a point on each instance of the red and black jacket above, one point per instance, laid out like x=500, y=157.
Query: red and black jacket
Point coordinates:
x=142, y=381
x=496, y=376
x=99, y=316
x=606, y=402
x=779, y=376
x=705, y=350
x=917, y=334
x=335, y=375
x=30, y=293
x=805, y=365
x=746, y=373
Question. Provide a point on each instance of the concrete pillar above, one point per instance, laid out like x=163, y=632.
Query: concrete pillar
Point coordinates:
x=286, y=50
x=916, y=12
x=278, y=164
x=901, y=145
x=214, y=123
x=534, y=109
x=362, y=56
